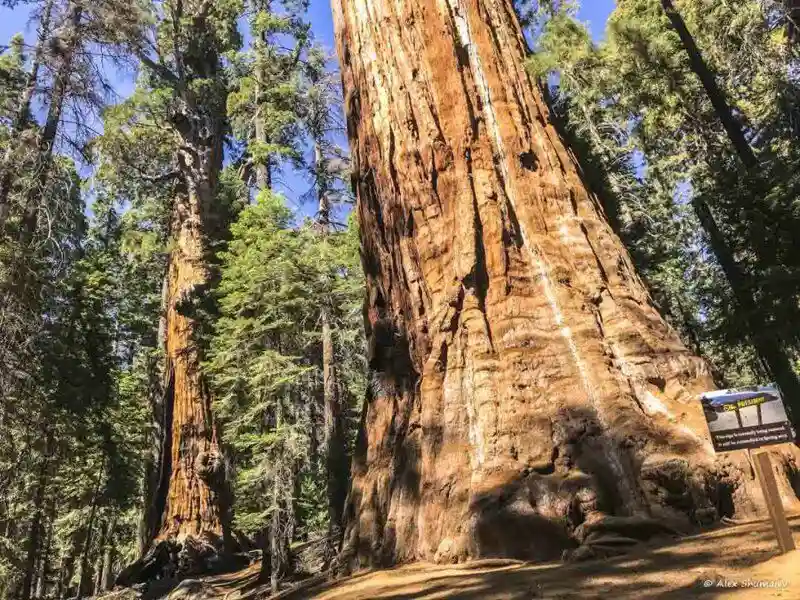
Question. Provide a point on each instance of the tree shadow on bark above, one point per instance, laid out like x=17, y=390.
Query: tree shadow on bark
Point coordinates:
x=381, y=546
x=594, y=475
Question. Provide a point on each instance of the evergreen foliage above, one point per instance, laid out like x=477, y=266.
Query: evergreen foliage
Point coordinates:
x=82, y=264
x=266, y=363
x=231, y=95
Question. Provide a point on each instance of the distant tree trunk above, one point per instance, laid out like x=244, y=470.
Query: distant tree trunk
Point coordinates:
x=334, y=440
x=22, y=114
x=521, y=379
x=265, y=572
x=273, y=564
x=714, y=92
x=44, y=568
x=275, y=542
x=67, y=563
x=793, y=42
x=263, y=170
x=64, y=572
x=335, y=444
x=109, y=559
x=35, y=533
x=767, y=346
x=99, y=567
x=37, y=574
x=280, y=518
x=85, y=584
x=156, y=464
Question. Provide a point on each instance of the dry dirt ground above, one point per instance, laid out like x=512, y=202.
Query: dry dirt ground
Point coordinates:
x=693, y=567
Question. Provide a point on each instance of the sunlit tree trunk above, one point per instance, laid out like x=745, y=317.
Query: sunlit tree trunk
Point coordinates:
x=521, y=379
x=196, y=471
x=99, y=563
x=188, y=486
x=109, y=559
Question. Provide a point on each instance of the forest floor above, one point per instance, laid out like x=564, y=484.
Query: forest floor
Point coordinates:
x=700, y=565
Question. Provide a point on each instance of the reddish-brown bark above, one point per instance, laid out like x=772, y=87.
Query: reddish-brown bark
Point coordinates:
x=193, y=501
x=521, y=378
x=188, y=518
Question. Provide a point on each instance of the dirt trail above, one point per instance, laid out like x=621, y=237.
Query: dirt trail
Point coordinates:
x=728, y=555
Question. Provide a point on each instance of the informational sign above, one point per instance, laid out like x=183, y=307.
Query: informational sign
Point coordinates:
x=746, y=418
x=752, y=418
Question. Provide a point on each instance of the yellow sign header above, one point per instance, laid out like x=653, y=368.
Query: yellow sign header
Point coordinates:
x=745, y=403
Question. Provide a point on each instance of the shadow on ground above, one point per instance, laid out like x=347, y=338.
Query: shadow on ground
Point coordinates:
x=658, y=572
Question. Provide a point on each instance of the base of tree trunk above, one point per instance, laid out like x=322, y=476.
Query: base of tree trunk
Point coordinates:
x=178, y=560
x=570, y=508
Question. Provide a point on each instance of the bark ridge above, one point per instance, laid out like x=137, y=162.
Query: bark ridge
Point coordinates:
x=522, y=381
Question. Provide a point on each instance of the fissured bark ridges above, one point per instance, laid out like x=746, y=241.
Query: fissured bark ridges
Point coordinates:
x=521, y=378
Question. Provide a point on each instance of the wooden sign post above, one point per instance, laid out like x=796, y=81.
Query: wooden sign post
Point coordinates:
x=751, y=418
x=773, y=500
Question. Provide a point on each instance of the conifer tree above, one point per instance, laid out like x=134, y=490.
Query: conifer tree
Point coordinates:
x=277, y=282
x=320, y=116
x=184, y=96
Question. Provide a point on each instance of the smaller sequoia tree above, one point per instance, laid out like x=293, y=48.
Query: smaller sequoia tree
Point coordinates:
x=181, y=106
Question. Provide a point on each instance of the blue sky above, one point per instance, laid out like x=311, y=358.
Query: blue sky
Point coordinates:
x=594, y=12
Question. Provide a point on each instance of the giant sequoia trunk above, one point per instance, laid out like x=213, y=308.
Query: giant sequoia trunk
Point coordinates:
x=192, y=506
x=521, y=379
x=189, y=490
x=190, y=501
